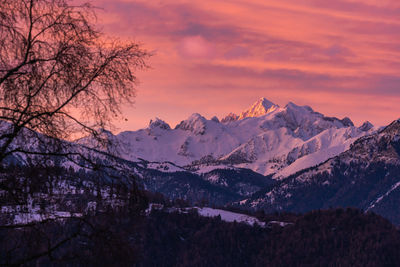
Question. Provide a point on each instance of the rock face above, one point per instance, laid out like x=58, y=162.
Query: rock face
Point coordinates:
x=158, y=123
x=366, y=176
x=366, y=126
x=230, y=117
x=195, y=124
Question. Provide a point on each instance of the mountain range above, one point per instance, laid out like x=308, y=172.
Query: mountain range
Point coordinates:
x=272, y=158
x=265, y=138
x=267, y=158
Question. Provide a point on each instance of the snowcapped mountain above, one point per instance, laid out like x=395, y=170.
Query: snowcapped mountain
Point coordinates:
x=366, y=176
x=222, y=161
x=287, y=158
x=265, y=138
x=261, y=107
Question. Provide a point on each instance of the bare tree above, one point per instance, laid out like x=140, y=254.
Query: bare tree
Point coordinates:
x=59, y=75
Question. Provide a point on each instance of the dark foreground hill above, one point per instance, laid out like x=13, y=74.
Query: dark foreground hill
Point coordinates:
x=125, y=238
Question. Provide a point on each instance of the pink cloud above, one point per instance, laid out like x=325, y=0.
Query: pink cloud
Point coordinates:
x=214, y=57
x=195, y=47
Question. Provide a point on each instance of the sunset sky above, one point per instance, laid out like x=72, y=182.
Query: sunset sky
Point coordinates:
x=341, y=57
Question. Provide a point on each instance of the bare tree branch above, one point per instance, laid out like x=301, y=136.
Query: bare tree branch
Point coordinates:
x=54, y=61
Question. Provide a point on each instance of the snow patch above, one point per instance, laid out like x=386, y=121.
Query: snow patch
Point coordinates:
x=229, y=216
x=379, y=199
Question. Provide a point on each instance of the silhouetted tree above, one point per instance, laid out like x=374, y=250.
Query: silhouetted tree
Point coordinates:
x=60, y=78
x=59, y=75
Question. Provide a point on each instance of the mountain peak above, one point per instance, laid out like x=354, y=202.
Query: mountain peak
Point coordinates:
x=366, y=126
x=293, y=106
x=215, y=119
x=393, y=128
x=260, y=107
x=195, y=123
x=158, y=123
x=230, y=117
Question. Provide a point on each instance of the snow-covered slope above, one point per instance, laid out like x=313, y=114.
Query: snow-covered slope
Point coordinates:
x=365, y=176
x=229, y=216
x=265, y=138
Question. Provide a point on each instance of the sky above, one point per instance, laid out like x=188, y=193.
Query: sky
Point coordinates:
x=341, y=57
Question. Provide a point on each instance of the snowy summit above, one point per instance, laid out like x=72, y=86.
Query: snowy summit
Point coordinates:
x=262, y=107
